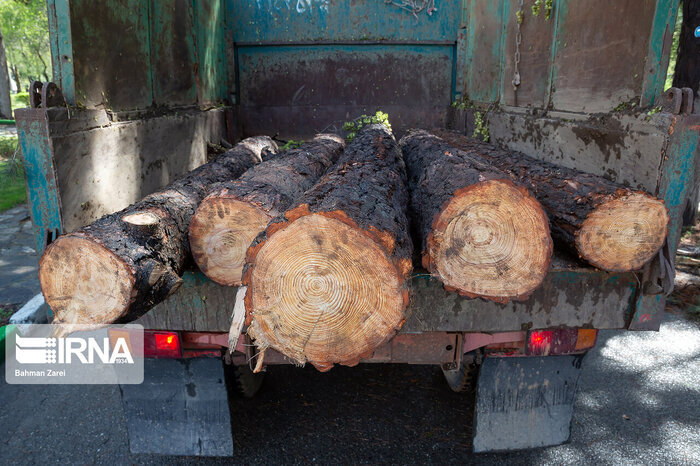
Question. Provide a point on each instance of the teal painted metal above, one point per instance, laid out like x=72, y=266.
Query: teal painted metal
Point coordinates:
x=560, y=10
x=484, y=50
x=659, y=51
x=173, y=58
x=677, y=172
x=42, y=188
x=210, y=33
x=58, y=12
x=295, y=21
x=675, y=182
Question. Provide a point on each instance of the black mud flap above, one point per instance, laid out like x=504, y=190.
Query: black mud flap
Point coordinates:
x=181, y=408
x=525, y=402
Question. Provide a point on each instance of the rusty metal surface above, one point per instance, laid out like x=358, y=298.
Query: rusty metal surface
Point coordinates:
x=300, y=90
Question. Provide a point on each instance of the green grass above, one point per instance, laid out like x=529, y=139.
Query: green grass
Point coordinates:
x=674, y=49
x=12, y=190
x=19, y=100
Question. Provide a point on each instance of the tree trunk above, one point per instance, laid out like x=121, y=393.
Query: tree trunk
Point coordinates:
x=612, y=227
x=687, y=73
x=5, y=102
x=16, y=77
x=480, y=233
x=328, y=281
x=234, y=213
x=123, y=264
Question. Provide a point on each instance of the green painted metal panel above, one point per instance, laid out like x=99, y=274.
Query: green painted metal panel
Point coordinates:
x=484, y=49
x=210, y=33
x=677, y=172
x=58, y=13
x=659, y=51
x=332, y=21
x=111, y=51
x=42, y=188
x=173, y=52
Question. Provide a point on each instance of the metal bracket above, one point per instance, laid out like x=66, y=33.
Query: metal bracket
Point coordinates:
x=678, y=101
x=45, y=95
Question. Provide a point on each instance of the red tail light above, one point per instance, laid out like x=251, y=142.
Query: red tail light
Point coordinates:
x=560, y=341
x=157, y=344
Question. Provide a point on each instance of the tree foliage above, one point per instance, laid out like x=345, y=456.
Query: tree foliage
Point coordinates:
x=26, y=35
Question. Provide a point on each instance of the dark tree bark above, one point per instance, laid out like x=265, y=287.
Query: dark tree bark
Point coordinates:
x=235, y=212
x=687, y=73
x=328, y=281
x=612, y=227
x=481, y=234
x=5, y=102
x=118, y=267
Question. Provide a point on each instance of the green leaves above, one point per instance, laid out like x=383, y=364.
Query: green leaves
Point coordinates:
x=352, y=127
x=25, y=31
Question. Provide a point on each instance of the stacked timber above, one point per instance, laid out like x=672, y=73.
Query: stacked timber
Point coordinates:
x=234, y=213
x=328, y=280
x=123, y=264
x=481, y=234
x=610, y=226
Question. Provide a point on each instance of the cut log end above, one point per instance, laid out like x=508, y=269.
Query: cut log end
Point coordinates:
x=220, y=232
x=491, y=241
x=324, y=292
x=143, y=218
x=623, y=233
x=83, y=282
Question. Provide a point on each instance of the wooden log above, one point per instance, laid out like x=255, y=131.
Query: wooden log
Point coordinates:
x=328, y=281
x=481, y=234
x=234, y=213
x=118, y=267
x=610, y=226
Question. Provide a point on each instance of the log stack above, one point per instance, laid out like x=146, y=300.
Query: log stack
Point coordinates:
x=328, y=281
x=481, y=234
x=320, y=236
x=610, y=226
x=123, y=264
x=234, y=213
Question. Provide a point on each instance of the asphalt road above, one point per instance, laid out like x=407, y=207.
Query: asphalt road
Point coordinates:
x=638, y=403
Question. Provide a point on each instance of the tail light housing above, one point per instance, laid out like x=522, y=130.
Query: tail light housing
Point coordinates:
x=560, y=341
x=160, y=344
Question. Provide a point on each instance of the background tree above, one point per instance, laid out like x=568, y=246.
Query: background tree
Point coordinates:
x=26, y=33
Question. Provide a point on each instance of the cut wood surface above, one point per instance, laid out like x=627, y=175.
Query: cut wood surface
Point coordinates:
x=121, y=265
x=612, y=227
x=328, y=281
x=234, y=213
x=481, y=234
